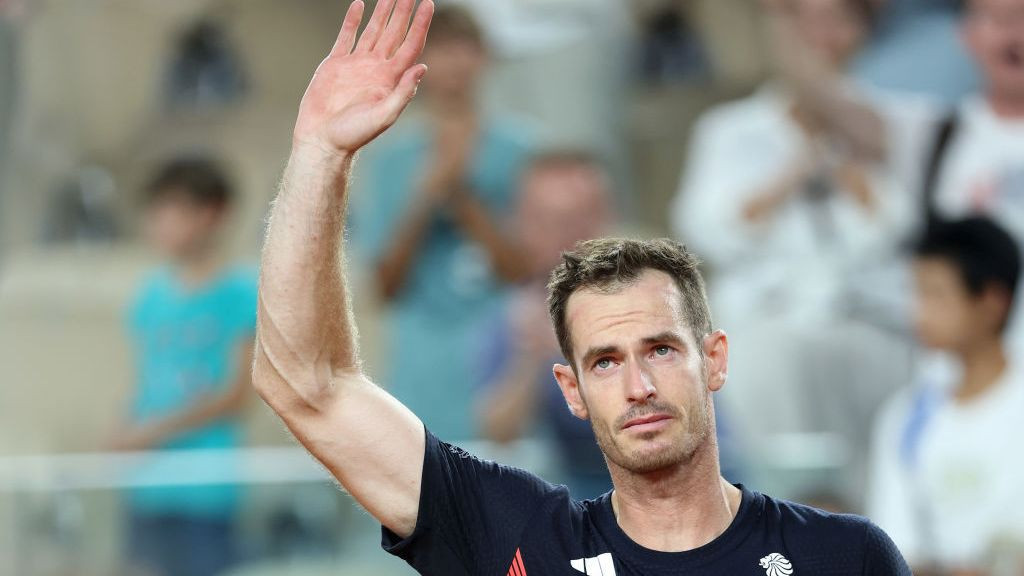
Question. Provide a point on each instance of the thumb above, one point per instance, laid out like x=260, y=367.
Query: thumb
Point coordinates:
x=393, y=105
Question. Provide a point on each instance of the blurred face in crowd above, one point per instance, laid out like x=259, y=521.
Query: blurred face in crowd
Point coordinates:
x=834, y=28
x=994, y=33
x=640, y=377
x=455, y=65
x=947, y=316
x=560, y=205
x=179, y=227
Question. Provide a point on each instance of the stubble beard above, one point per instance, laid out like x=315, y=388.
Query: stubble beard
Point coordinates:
x=667, y=452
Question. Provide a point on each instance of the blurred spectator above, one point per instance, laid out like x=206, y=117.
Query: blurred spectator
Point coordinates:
x=192, y=322
x=961, y=162
x=971, y=160
x=671, y=51
x=801, y=236
x=429, y=226
x=565, y=198
x=83, y=209
x=947, y=465
x=910, y=32
x=205, y=72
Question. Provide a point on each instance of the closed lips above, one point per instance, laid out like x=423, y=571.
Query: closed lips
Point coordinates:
x=646, y=420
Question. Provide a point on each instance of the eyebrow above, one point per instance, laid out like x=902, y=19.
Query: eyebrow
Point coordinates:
x=666, y=337
x=596, y=352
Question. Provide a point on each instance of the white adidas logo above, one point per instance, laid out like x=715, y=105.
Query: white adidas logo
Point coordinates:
x=601, y=565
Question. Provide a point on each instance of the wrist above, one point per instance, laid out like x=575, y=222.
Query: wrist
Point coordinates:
x=314, y=154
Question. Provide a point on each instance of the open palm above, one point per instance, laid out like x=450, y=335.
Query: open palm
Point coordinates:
x=363, y=85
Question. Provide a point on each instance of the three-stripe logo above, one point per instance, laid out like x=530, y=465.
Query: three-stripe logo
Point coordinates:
x=517, y=568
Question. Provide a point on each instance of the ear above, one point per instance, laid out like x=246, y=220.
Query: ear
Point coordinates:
x=716, y=359
x=570, y=386
x=997, y=303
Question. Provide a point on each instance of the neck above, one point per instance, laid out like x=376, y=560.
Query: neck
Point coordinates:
x=452, y=106
x=197, y=268
x=1007, y=106
x=983, y=365
x=677, y=509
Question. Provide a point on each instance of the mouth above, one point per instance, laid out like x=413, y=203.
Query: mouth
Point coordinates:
x=647, y=423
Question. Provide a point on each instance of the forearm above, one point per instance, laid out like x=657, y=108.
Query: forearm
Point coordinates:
x=767, y=200
x=855, y=181
x=478, y=225
x=504, y=411
x=206, y=410
x=305, y=333
x=394, y=266
x=821, y=91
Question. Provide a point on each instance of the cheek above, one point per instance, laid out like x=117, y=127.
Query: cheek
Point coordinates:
x=603, y=400
x=941, y=323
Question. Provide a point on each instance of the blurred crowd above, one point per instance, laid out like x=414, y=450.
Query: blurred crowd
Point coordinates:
x=859, y=208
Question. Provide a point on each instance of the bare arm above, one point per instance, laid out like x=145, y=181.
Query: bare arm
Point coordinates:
x=507, y=408
x=774, y=194
x=307, y=364
x=820, y=89
x=394, y=265
x=443, y=187
x=206, y=409
x=504, y=255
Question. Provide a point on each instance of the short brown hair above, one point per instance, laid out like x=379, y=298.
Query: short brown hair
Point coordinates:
x=609, y=263
x=198, y=179
x=453, y=22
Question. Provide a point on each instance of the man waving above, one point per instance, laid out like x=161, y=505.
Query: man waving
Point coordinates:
x=643, y=362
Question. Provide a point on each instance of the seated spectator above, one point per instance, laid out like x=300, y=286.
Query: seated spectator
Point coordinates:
x=192, y=324
x=801, y=238
x=564, y=199
x=947, y=465
x=428, y=222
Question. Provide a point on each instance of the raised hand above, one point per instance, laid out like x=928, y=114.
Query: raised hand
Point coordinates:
x=363, y=85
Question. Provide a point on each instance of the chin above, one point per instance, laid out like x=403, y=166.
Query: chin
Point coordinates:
x=653, y=455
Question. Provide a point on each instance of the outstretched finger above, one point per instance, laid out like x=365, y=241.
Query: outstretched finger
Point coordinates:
x=375, y=27
x=397, y=27
x=393, y=105
x=347, y=35
x=412, y=47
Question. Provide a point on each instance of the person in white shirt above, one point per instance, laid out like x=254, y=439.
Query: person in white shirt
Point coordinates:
x=799, y=231
x=946, y=460
x=971, y=160
x=954, y=163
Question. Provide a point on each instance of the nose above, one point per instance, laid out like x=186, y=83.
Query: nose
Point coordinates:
x=639, y=386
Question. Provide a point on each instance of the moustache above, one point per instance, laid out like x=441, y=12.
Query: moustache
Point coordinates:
x=646, y=409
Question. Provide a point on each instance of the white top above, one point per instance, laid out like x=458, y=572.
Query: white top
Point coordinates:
x=946, y=477
x=737, y=149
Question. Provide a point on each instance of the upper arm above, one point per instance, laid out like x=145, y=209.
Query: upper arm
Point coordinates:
x=368, y=440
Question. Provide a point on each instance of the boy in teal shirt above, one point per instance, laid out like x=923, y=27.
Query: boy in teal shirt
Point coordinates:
x=192, y=323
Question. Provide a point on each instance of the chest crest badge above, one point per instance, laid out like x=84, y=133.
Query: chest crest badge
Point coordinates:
x=775, y=564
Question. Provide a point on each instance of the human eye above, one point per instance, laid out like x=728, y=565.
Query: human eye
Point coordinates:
x=662, y=350
x=603, y=363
